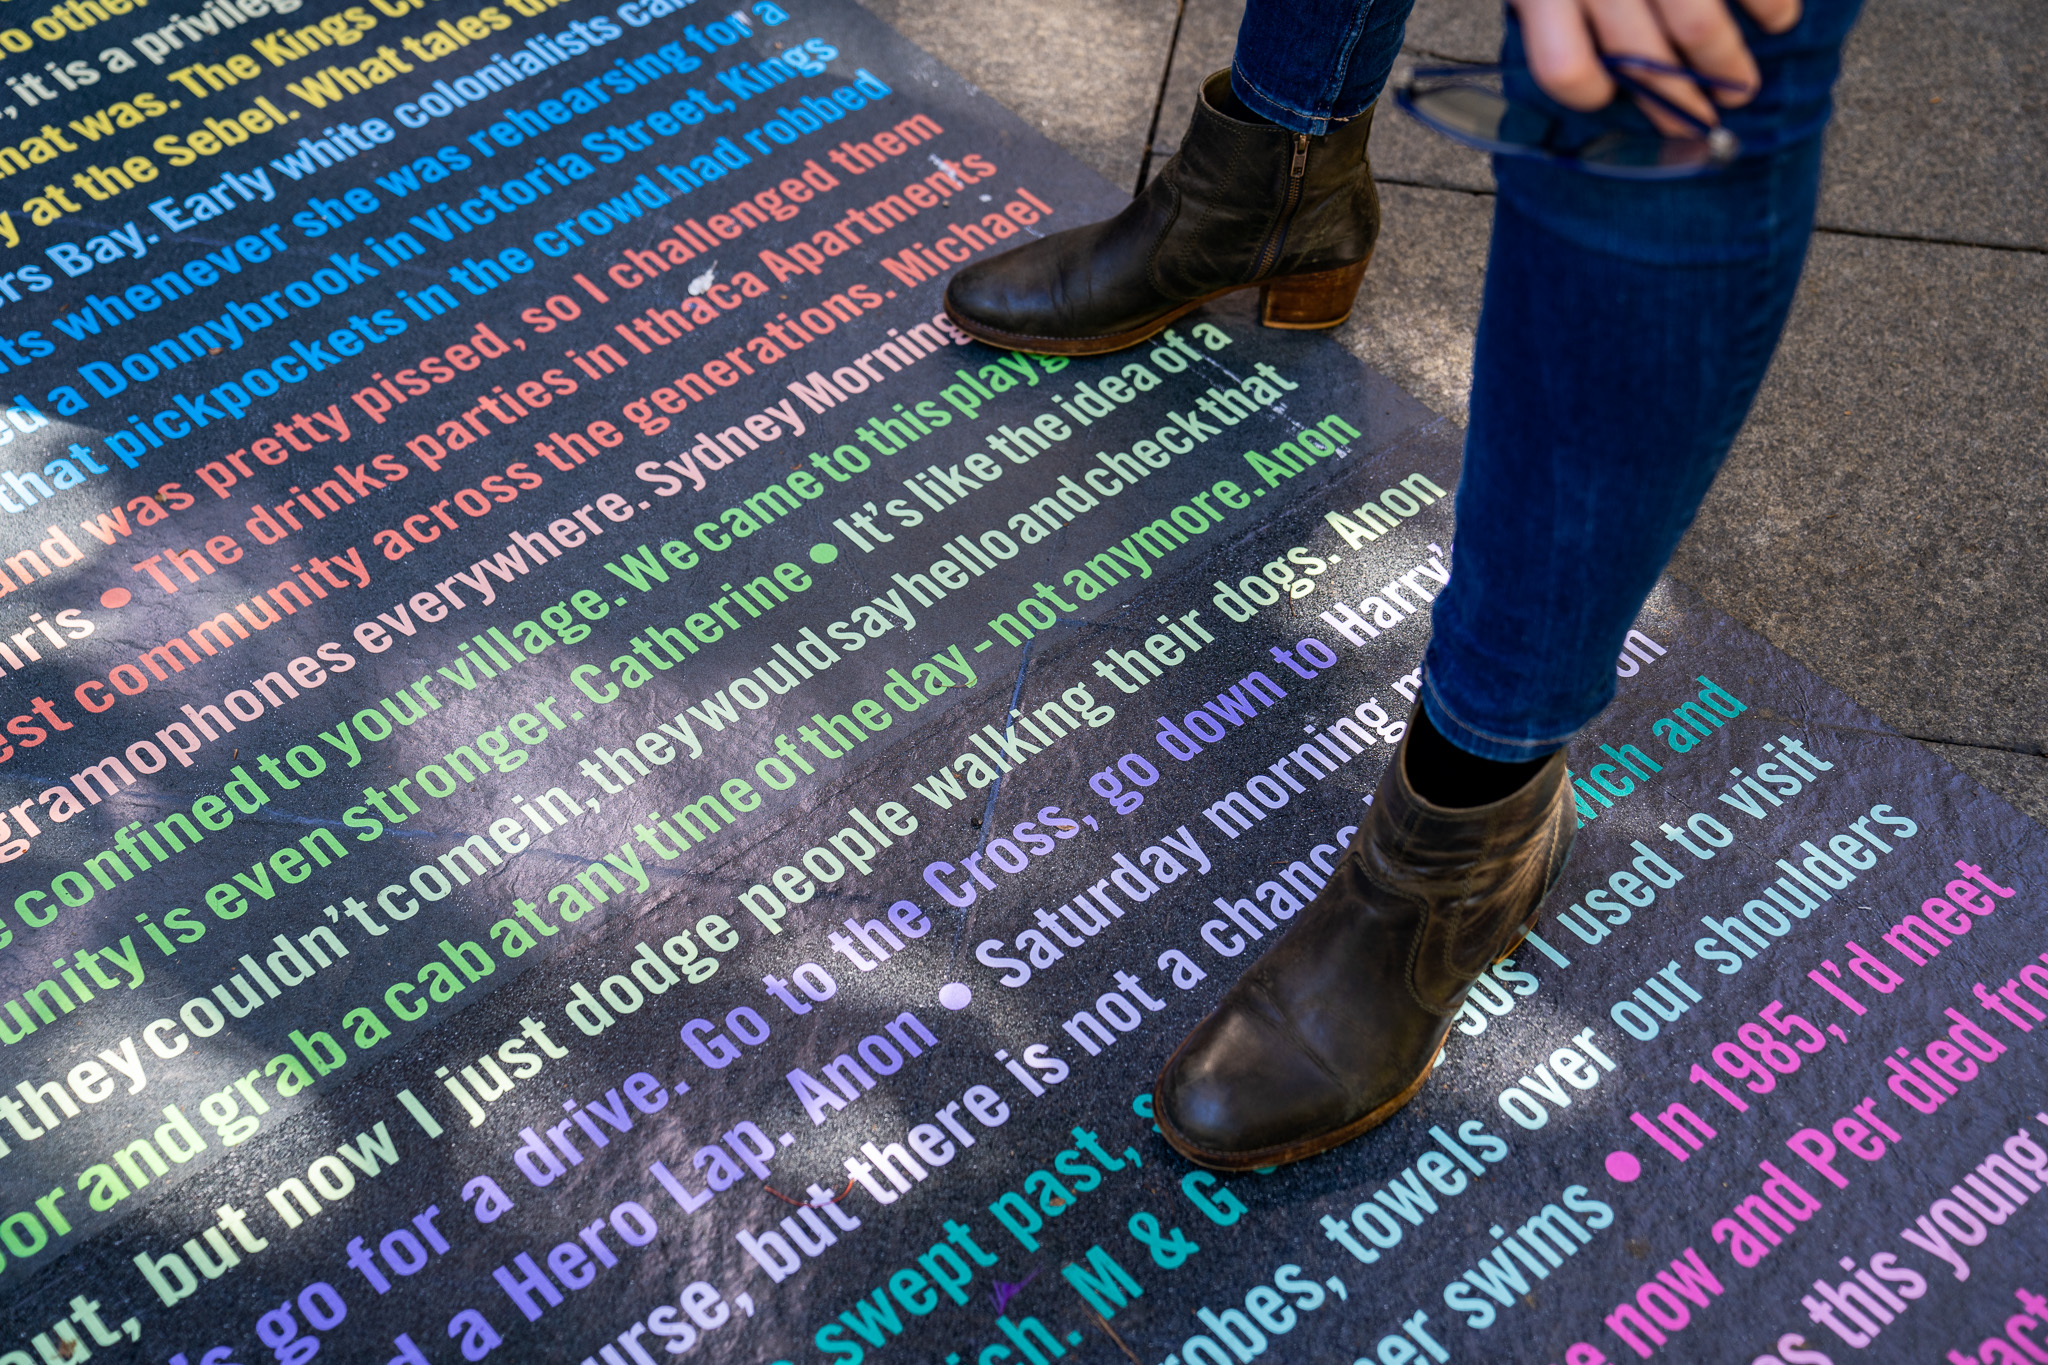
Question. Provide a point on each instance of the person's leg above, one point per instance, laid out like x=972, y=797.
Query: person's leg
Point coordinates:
x=1625, y=329
x=1309, y=65
x=1270, y=190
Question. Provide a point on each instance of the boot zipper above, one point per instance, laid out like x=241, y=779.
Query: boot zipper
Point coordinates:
x=1297, y=173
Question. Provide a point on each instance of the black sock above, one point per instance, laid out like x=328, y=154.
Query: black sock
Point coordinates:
x=1444, y=775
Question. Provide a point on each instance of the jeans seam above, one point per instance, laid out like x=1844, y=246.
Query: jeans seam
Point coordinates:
x=1335, y=87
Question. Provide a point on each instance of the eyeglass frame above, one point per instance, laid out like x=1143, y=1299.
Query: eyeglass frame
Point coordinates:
x=1722, y=145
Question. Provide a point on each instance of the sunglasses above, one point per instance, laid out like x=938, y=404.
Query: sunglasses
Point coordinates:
x=1467, y=105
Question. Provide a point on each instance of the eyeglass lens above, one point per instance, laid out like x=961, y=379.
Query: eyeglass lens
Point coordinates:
x=1489, y=120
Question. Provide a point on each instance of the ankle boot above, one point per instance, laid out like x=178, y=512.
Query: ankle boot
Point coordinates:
x=1339, y=1023
x=1240, y=206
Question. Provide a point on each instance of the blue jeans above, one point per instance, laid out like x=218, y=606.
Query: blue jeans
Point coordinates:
x=1306, y=64
x=1625, y=328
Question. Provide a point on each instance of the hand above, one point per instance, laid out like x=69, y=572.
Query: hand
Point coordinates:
x=1565, y=39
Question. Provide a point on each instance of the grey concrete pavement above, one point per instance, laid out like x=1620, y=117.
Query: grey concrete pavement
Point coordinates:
x=1882, y=515
x=1085, y=75
x=1416, y=313
x=1938, y=129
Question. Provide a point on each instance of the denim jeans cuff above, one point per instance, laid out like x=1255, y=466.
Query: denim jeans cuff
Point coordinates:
x=1316, y=122
x=1480, y=744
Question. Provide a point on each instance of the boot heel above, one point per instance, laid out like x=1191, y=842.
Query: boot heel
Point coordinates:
x=1307, y=302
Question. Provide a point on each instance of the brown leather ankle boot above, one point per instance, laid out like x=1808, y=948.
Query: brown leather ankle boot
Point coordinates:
x=1240, y=206
x=1339, y=1023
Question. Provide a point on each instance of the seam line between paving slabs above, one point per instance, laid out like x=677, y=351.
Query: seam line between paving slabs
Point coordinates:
x=1820, y=229
x=1931, y=241
x=1974, y=744
x=1908, y=734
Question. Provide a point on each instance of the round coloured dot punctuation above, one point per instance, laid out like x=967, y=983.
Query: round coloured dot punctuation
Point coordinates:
x=824, y=552
x=113, y=599
x=956, y=996
x=1623, y=1166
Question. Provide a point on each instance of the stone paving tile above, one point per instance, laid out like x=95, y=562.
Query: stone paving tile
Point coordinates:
x=1881, y=516
x=1420, y=304
x=1455, y=30
x=1085, y=75
x=1439, y=32
x=1938, y=125
x=1407, y=153
x=1207, y=40
x=1939, y=131
x=2020, y=778
x=1402, y=150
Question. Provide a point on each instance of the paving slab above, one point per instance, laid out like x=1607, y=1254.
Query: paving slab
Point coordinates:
x=1880, y=516
x=1880, y=513
x=1406, y=153
x=1419, y=307
x=1439, y=31
x=1208, y=39
x=1455, y=30
x=1938, y=130
x=2020, y=778
x=1935, y=133
x=1085, y=76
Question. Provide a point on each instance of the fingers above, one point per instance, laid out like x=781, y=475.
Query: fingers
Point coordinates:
x=1773, y=16
x=1562, y=55
x=1705, y=32
x=1636, y=28
x=1564, y=40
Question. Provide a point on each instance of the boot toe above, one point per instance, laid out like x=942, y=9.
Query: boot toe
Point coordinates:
x=1072, y=292
x=1002, y=296
x=1243, y=1092
x=1339, y=1023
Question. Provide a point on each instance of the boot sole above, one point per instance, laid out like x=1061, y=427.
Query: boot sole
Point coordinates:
x=1302, y=303
x=1322, y=1142
x=1295, y=1151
